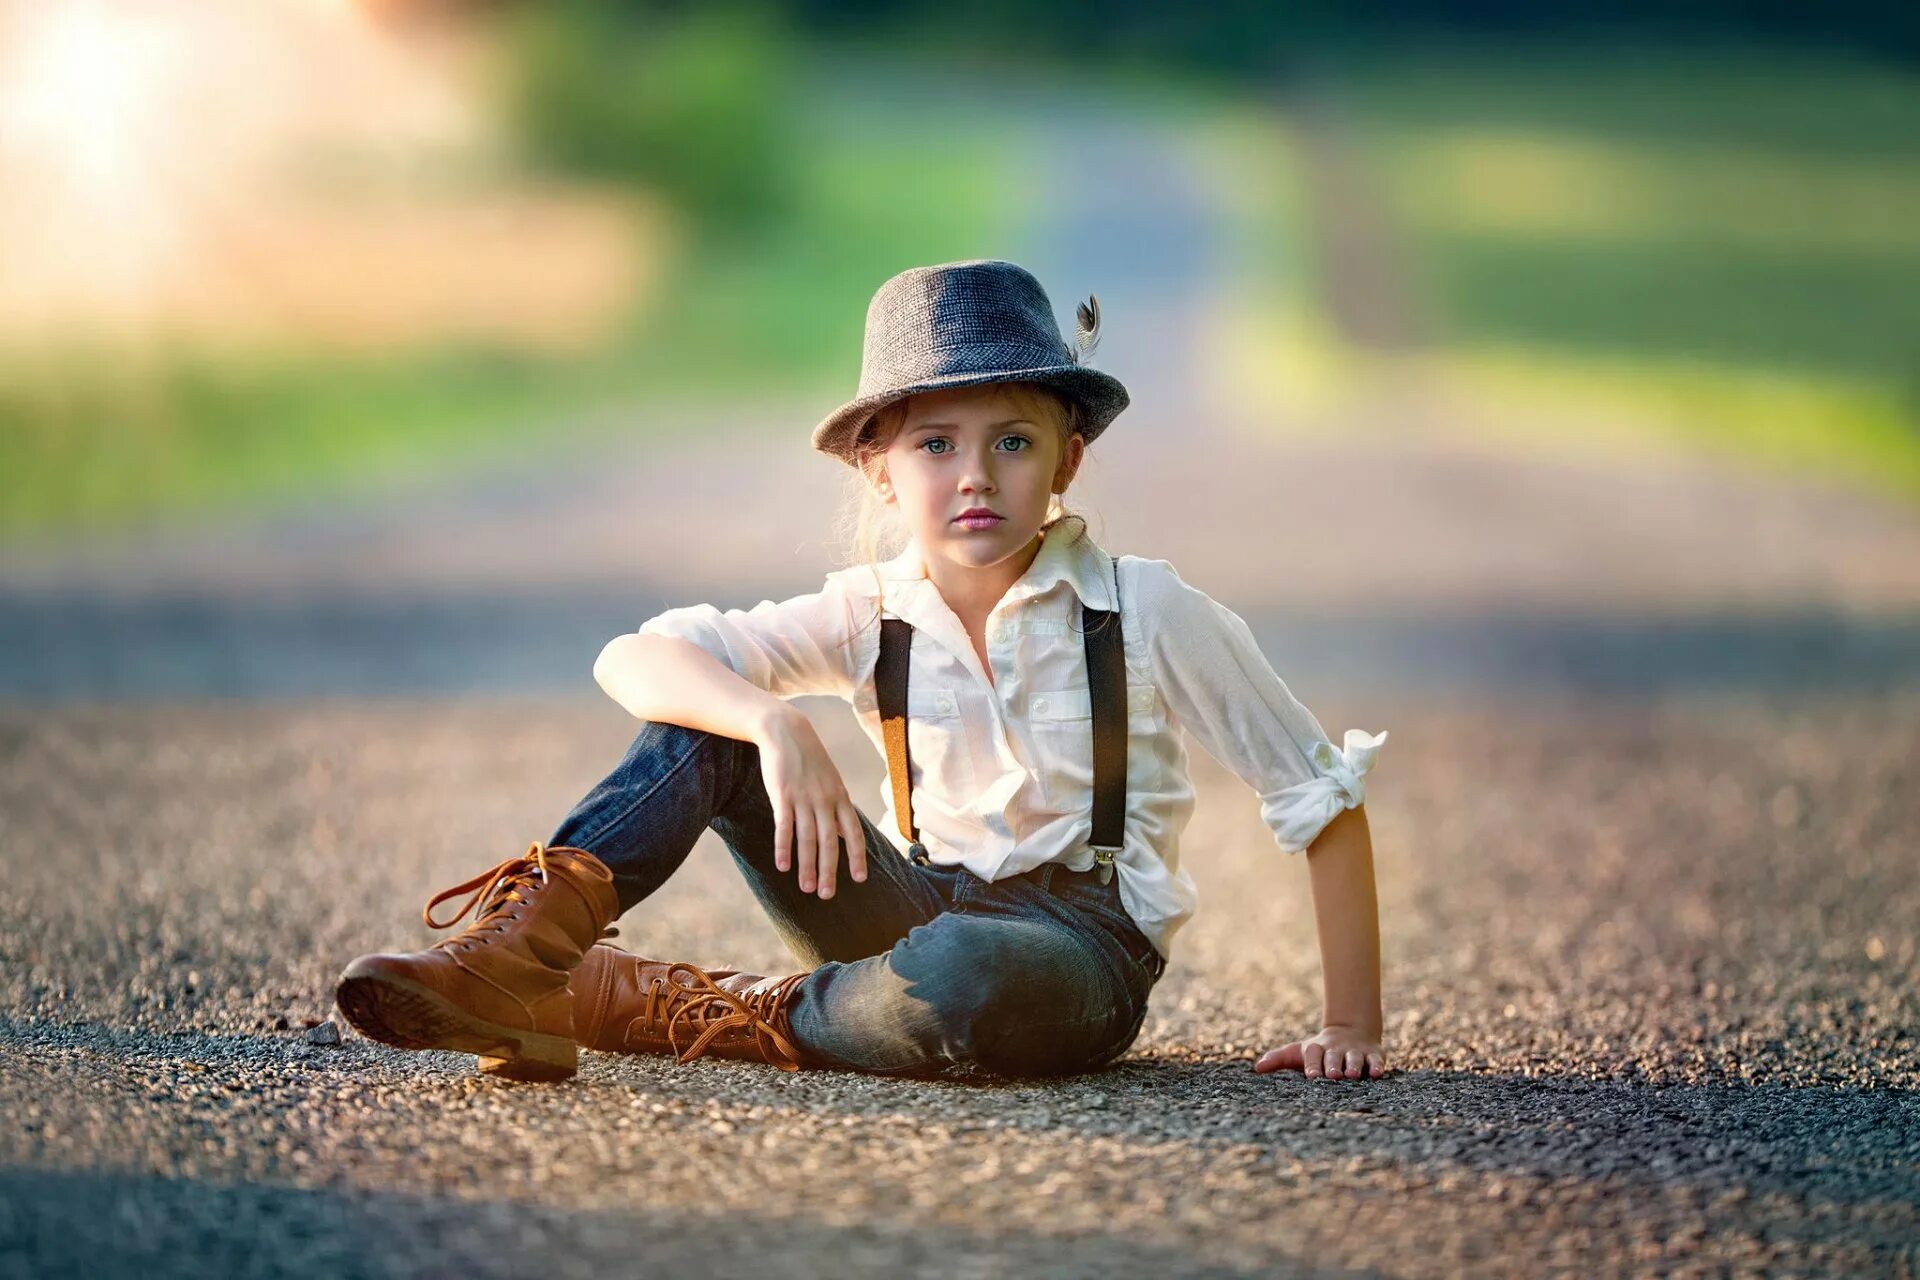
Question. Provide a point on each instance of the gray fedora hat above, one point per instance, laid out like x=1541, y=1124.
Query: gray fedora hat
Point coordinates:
x=961, y=324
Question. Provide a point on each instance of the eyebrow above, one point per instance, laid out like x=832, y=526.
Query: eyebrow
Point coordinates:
x=991, y=426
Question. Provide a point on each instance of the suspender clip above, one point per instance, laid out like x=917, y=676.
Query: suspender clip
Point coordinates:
x=1103, y=859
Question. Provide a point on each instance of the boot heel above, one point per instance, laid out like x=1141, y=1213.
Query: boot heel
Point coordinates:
x=535, y=1057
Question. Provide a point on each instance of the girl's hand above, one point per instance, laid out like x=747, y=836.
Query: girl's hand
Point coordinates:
x=1338, y=1053
x=812, y=812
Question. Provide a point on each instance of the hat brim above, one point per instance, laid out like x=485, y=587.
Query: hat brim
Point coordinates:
x=1101, y=395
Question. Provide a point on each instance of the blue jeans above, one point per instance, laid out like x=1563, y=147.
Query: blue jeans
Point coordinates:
x=915, y=969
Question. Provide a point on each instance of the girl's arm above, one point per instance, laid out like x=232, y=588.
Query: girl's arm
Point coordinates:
x=1347, y=916
x=732, y=671
x=1348, y=922
x=665, y=678
x=658, y=677
x=1220, y=687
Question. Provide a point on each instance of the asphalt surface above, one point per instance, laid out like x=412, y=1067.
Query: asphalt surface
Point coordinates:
x=1651, y=985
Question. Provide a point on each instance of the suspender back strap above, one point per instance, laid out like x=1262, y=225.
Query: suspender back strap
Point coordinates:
x=1107, y=680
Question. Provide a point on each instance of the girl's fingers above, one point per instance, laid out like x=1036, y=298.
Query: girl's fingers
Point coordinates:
x=782, y=837
x=1286, y=1058
x=856, y=837
x=829, y=845
x=805, y=846
x=1318, y=1060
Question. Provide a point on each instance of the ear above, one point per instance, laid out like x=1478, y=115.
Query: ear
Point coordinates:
x=1069, y=462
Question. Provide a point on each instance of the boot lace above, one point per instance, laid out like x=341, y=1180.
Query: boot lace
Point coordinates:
x=497, y=891
x=712, y=1010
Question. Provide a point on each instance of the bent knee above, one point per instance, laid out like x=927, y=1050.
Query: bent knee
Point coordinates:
x=1010, y=998
x=1039, y=1021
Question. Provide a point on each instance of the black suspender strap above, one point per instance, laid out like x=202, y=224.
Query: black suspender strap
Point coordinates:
x=1107, y=676
x=1107, y=680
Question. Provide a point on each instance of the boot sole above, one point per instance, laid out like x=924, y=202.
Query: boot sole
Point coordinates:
x=407, y=1015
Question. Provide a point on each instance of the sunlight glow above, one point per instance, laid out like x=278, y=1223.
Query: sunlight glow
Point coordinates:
x=141, y=139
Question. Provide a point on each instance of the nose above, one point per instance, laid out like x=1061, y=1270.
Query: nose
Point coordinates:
x=977, y=476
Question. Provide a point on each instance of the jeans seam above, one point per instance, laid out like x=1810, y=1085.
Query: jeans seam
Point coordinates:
x=620, y=817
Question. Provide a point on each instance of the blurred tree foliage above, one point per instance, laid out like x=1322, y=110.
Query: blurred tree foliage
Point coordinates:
x=1253, y=37
x=687, y=100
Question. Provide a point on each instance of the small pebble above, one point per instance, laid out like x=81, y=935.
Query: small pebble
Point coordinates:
x=325, y=1033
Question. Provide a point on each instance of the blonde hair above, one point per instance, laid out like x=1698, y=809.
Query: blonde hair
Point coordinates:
x=869, y=530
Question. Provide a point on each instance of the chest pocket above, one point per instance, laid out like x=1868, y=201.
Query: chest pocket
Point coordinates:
x=937, y=743
x=1062, y=710
x=1062, y=723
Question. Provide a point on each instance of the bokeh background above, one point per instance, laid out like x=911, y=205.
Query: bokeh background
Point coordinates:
x=421, y=345
x=267, y=249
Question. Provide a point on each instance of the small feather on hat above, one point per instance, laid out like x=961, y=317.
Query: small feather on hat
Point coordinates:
x=1087, y=331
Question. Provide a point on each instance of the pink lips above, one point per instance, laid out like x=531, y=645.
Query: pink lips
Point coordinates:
x=977, y=521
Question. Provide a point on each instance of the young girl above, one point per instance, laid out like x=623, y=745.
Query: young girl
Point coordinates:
x=1016, y=906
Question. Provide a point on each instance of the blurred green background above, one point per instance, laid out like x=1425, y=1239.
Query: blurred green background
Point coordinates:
x=406, y=236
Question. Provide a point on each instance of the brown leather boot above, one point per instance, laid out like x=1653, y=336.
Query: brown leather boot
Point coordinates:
x=623, y=1003
x=497, y=989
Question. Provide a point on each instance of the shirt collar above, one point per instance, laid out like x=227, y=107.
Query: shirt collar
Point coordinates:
x=1067, y=554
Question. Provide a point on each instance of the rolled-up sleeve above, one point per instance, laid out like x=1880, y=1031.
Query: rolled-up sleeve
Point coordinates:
x=801, y=645
x=1220, y=687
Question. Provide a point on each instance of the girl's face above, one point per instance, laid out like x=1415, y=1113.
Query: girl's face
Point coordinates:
x=969, y=448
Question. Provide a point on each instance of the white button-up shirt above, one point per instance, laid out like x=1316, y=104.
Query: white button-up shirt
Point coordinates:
x=1003, y=768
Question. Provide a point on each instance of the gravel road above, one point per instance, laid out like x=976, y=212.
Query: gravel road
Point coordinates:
x=1646, y=831
x=1651, y=987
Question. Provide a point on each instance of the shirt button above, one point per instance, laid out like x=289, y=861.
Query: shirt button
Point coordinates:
x=1039, y=704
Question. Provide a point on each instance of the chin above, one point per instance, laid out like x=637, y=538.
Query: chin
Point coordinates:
x=986, y=548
